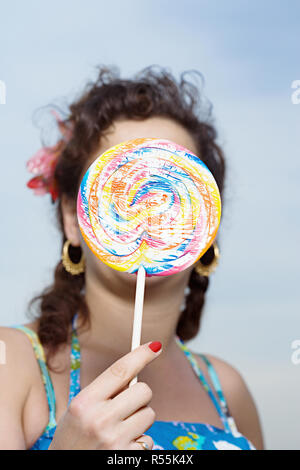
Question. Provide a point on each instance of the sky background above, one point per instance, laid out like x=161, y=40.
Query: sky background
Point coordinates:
x=248, y=53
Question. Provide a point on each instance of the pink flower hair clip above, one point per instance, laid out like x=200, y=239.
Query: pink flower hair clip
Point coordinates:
x=43, y=163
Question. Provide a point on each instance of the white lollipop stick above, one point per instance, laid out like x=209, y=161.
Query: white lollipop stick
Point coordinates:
x=138, y=313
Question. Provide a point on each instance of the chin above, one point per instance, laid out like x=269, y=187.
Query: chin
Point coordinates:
x=131, y=278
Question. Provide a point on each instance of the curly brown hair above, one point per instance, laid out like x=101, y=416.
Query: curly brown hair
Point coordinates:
x=152, y=92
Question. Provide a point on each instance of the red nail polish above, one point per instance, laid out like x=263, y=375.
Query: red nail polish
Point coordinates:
x=155, y=346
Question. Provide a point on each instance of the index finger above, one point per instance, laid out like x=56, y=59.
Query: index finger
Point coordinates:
x=117, y=376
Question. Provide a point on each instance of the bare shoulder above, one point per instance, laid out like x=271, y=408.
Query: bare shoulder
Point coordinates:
x=16, y=345
x=17, y=360
x=239, y=399
x=20, y=362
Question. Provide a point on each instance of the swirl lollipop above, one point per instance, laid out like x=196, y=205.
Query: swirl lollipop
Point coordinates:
x=148, y=206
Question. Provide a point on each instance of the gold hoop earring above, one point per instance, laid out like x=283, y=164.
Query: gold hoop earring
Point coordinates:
x=72, y=268
x=207, y=269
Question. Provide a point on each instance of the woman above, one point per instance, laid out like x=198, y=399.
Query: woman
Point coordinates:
x=82, y=331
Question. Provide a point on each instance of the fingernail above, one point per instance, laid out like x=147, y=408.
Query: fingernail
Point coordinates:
x=155, y=346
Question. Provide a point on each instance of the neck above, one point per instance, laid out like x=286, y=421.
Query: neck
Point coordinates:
x=111, y=311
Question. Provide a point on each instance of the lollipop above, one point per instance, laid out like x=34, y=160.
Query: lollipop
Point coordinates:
x=150, y=203
x=148, y=206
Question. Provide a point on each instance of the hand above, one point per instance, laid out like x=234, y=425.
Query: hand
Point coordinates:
x=107, y=414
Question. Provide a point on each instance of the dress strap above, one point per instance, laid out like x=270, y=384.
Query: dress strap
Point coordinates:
x=75, y=362
x=40, y=356
x=221, y=407
x=217, y=386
